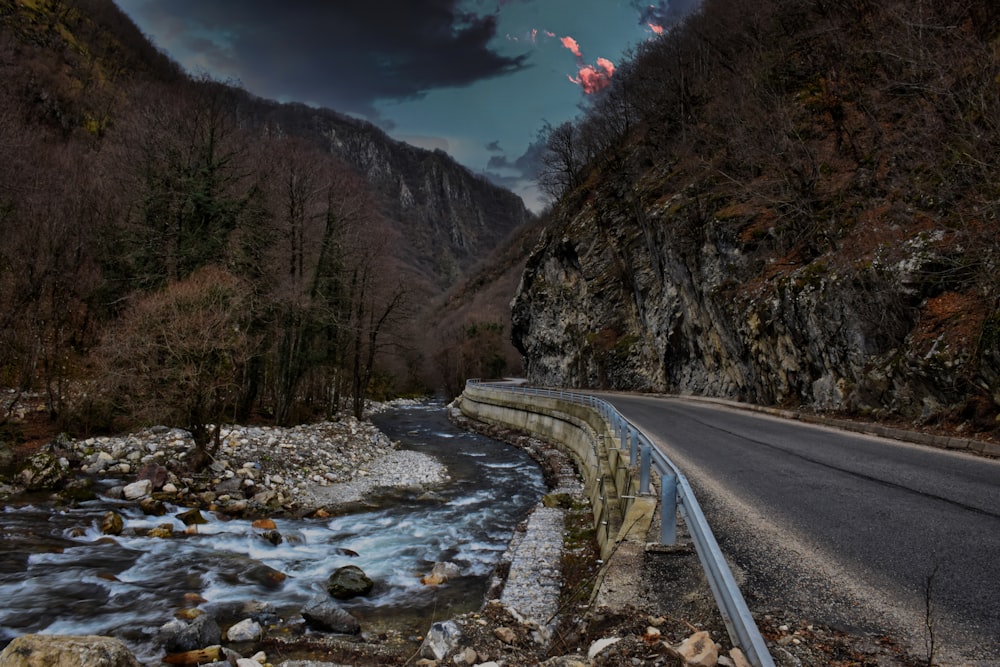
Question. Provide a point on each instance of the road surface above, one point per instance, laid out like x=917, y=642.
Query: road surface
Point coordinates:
x=849, y=531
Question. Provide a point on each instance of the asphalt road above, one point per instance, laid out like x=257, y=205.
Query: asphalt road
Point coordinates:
x=844, y=530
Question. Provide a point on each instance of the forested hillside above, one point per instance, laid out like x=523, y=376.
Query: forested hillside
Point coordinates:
x=176, y=250
x=787, y=202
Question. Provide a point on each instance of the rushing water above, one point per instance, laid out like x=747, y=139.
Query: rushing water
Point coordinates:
x=60, y=575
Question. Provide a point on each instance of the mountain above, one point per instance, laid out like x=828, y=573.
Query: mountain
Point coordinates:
x=132, y=195
x=449, y=217
x=787, y=203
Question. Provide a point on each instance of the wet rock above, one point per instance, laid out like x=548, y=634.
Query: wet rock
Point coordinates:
x=42, y=472
x=247, y=630
x=112, y=524
x=272, y=536
x=192, y=517
x=79, y=490
x=137, y=490
x=328, y=616
x=440, y=640
x=348, y=582
x=264, y=524
x=164, y=530
x=264, y=575
x=179, y=636
x=67, y=651
x=440, y=573
x=152, y=507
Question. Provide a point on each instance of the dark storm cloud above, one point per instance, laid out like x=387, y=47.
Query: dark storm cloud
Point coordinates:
x=494, y=147
x=345, y=54
x=664, y=13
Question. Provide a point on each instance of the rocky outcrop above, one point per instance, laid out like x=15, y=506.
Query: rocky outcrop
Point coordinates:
x=631, y=292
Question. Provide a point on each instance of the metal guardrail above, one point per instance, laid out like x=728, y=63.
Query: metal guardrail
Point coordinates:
x=675, y=492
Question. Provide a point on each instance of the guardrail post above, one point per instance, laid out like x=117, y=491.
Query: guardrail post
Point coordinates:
x=633, y=456
x=668, y=509
x=623, y=430
x=646, y=461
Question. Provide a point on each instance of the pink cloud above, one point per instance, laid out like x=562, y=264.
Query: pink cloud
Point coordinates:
x=594, y=78
x=658, y=29
x=572, y=45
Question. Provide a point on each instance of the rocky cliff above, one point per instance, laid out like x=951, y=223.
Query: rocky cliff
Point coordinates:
x=812, y=233
x=663, y=300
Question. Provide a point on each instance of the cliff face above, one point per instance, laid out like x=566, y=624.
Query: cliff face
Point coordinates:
x=665, y=297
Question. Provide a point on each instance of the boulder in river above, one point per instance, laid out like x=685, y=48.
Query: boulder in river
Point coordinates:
x=440, y=573
x=348, y=582
x=192, y=517
x=67, y=651
x=112, y=523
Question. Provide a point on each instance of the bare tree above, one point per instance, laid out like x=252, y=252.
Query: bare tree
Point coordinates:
x=179, y=355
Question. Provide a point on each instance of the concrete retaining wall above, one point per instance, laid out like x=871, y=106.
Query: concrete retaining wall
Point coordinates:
x=610, y=482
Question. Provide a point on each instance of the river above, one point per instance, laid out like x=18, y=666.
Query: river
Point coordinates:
x=60, y=575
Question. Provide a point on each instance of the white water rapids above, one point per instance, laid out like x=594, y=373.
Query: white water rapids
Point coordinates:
x=60, y=575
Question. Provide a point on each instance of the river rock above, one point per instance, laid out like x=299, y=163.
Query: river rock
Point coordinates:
x=178, y=636
x=440, y=573
x=66, y=651
x=348, y=582
x=155, y=473
x=247, y=630
x=42, y=472
x=112, y=523
x=164, y=530
x=137, y=490
x=440, y=640
x=152, y=507
x=192, y=517
x=328, y=616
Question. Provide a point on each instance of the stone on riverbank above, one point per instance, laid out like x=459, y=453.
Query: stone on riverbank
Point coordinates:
x=42, y=472
x=247, y=630
x=66, y=651
x=327, y=616
x=137, y=490
x=179, y=637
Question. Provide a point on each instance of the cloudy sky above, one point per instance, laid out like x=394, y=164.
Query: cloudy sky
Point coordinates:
x=475, y=78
